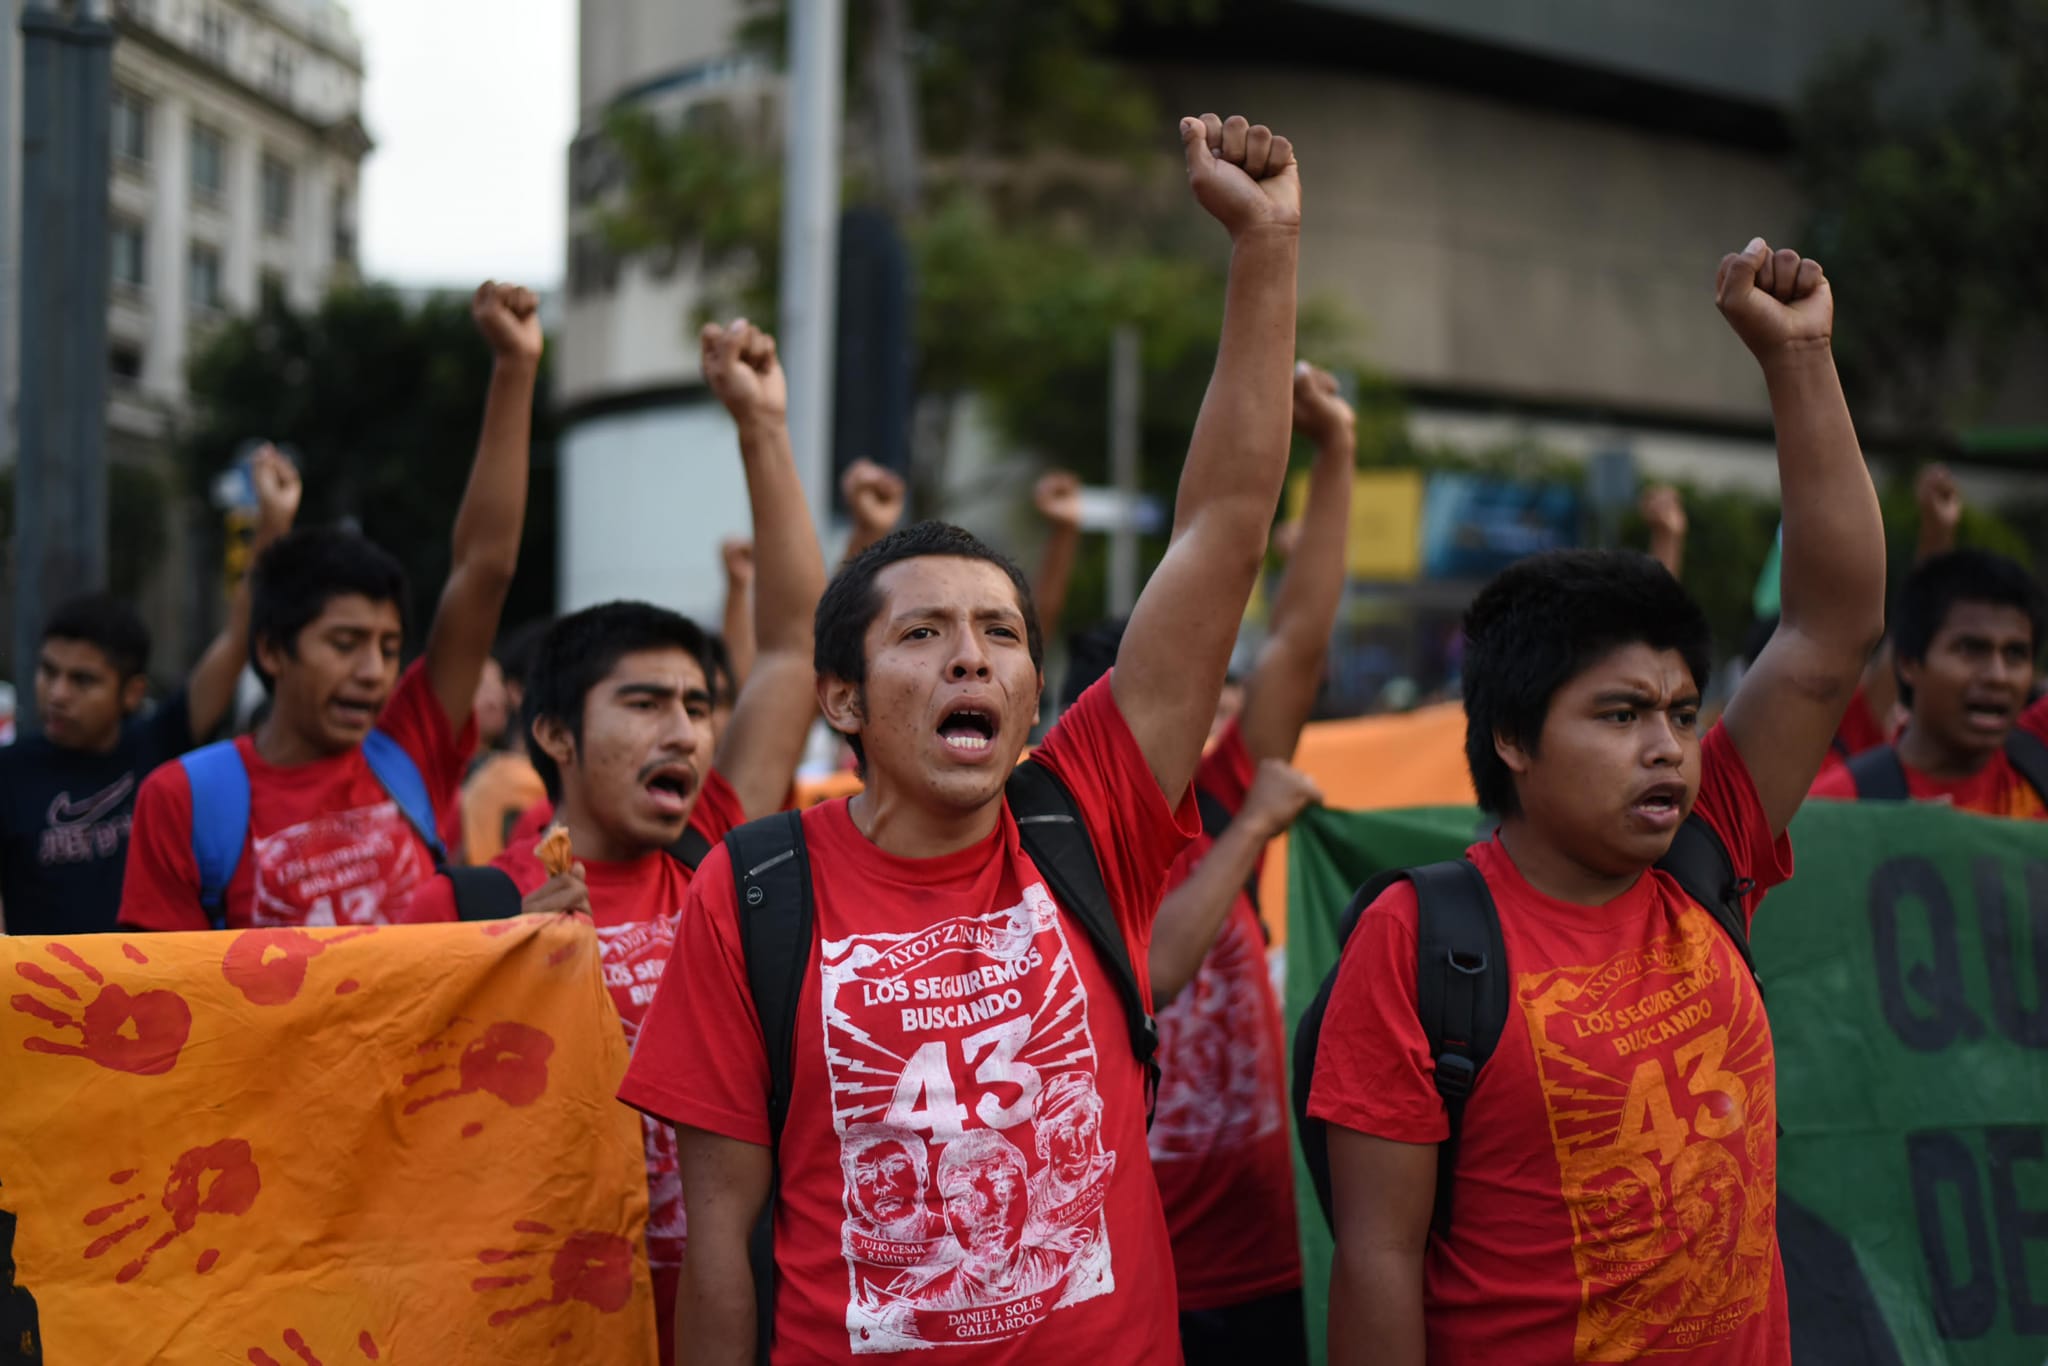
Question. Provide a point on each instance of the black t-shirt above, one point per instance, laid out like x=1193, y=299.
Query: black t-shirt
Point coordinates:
x=64, y=818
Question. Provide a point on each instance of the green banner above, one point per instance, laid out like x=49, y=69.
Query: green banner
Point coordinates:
x=1906, y=973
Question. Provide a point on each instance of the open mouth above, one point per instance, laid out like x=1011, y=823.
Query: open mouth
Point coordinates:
x=1986, y=716
x=670, y=787
x=1662, y=804
x=352, y=712
x=968, y=730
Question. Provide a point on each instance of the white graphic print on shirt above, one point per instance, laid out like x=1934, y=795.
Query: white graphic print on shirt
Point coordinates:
x=356, y=867
x=963, y=1086
x=633, y=958
x=1218, y=1088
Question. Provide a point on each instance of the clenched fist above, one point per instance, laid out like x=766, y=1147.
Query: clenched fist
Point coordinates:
x=1663, y=509
x=509, y=318
x=737, y=554
x=1242, y=173
x=563, y=894
x=1280, y=792
x=741, y=367
x=1320, y=412
x=1776, y=301
x=874, y=496
x=1058, y=499
x=278, y=490
x=1940, y=500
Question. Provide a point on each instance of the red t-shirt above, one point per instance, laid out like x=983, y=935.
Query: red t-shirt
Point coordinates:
x=1616, y=1191
x=1997, y=789
x=963, y=1163
x=326, y=845
x=1219, y=1141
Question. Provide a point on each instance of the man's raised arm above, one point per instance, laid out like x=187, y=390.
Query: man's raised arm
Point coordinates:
x=493, y=511
x=1170, y=667
x=764, y=741
x=210, y=687
x=1289, y=669
x=1832, y=576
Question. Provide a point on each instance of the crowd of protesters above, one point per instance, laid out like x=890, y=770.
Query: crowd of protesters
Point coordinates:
x=1024, y=1096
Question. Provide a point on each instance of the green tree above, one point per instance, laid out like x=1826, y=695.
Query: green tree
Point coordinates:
x=381, y=401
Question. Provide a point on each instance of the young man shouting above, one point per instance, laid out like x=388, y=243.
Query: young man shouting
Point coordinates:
x=944, y=992
x=1614, y=1190
x=330, y=813
x=67, y=794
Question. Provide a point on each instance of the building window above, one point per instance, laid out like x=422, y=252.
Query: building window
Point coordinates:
x=131, y=127
x=344, y=226
x=130, y=246
x=271, y=292
x=284, y=70
x=202, y=280
x=209, y=164
x=214, y=35
x=124, y=365
x=277, y=194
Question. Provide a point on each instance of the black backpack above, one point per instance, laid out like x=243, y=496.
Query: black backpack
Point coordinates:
x=1461, y=982
x=1880, y=776
x=771, y=873
x=487, y=893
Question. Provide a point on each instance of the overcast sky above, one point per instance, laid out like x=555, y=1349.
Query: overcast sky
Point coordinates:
x=472, y=104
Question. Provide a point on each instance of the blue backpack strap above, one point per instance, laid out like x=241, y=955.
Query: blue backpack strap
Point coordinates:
x=220, y=821
x=400, y=777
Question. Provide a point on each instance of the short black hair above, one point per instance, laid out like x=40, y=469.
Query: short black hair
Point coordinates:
x=719, y=670
x=107, y=623
x=850, y=602
x=577, y=652
x=516, y=648
x=303, y=571
x=1938, y=584
x=1090, y=655
x=1540, y=623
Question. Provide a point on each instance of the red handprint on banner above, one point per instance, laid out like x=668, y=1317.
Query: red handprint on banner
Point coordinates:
x=587, y=1268
x=506, y=1059
x=269, y=966
x=295, y=1343
x=139, y=1032
x=219, y=1178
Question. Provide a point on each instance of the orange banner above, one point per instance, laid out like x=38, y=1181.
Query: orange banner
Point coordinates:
x=337, y=1145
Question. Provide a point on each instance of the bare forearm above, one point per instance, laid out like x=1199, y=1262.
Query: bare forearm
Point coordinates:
x=738, y=629
x=1668, y=549
x=715, y=1320
x=1055, y=572
x=1935, y=539
x=1283, y=687
x=493, y=512
x=1376, y=1316
x=789, y=568
x=1833, y=564
x=1193, y=914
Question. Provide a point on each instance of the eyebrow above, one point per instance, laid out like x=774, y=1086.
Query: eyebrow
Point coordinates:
x=1642, y=701
x=662, y=692
x=1008, y=612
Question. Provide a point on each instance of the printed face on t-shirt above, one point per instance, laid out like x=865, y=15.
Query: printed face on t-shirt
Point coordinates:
x=635, y=774
x=81, y=698
x=1970, y=689
x=1618, y=763
x=951, y=693
x=330, y=686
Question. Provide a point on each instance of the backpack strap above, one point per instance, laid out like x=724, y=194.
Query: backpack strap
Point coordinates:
x=1878, y=775
x=1313, y=1134
x=483, y=892
x=1461, y=994
x=1050, y=826
x=771, y=872
x=2028, y=755
x=1699, y=863
x=691, y=848
x=399, y=776
x=220, y=821
x=1216, y=818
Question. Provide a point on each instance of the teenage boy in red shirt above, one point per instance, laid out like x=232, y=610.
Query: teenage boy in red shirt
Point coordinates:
x=1614, y=1195
x=324, y=840
x=947, y=997
x=619, y=707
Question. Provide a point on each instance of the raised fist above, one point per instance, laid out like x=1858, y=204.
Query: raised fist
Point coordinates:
x=1320, y=412
x=1244, y=175
x=1663, y=509
x=1775, y=301
x=1940, y=500
x=874, y=495
x=1058, y=499
x=278, y=490
x=737, y=554
x=509, y=318
x=741, y=367
x=1280, y=792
